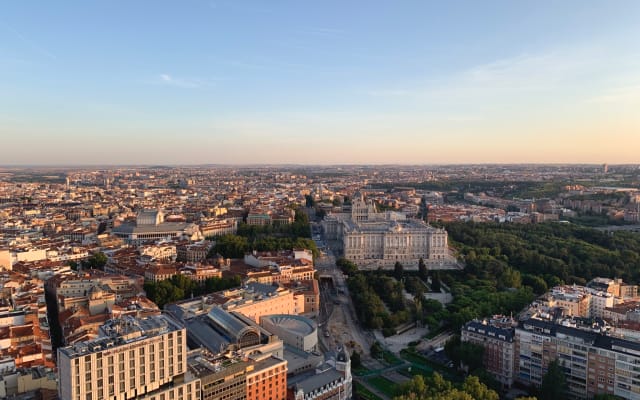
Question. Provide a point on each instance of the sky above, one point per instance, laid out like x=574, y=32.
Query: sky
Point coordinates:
x=319, y=82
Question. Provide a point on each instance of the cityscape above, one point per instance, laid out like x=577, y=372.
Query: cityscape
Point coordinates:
x=318, y=282
x=251, y=200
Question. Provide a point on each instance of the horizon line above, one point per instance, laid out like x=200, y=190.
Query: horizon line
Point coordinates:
x=173, y=165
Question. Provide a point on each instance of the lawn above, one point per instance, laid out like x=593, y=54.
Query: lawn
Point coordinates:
x=391, y=358
x=363, y=392
x=416, y=370
x=360, y=371
x=436, y=332
x=423, y=364
x=383, y=384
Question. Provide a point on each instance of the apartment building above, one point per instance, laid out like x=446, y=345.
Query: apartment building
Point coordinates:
x=593, y=336
x=195, y=252
x=581, y=301
x=199, y=272
x=26, y=383
x=24, y=328
x=496, y=336
x=614, y=286
x=142, y=358
x=227, y=226
x=306, y=296
x=593, y=362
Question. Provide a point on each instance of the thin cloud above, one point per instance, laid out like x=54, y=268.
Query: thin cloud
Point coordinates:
x=30, y=43
x=234, y=6
x=184, y=83
x=266, y=64
x=530, y=71
x=618, y=95
x=322, y=31
x=519, y=73
x=391, y=93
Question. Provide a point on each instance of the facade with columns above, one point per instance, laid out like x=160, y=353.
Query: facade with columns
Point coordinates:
x=372, y=240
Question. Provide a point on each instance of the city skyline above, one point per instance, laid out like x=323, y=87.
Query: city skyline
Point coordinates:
x=239, y=83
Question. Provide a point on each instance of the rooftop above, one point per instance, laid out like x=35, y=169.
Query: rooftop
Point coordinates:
x=293, y=323
x=124, y=330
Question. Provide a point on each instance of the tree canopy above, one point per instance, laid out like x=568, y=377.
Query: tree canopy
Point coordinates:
x=552, y=251
x=266, y=238
x=180, y=287
x=554, y=383
x=95, y=261
x=436, y=387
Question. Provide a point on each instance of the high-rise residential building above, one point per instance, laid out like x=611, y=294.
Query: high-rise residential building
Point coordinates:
x=593, y=362
x=141, y=358
x=587, y=330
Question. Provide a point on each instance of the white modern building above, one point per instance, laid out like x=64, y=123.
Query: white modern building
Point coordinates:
x=296, y=331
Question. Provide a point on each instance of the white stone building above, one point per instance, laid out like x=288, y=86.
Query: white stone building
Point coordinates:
x=372, y=240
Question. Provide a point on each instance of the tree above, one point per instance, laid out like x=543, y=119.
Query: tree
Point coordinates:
x=96, y=261
x=424, y=210
x=230, y=246
x=376, y=349
x=356, y=362
x=422, y=269
x=488, y=379
x=347, y=267
x=471, y=354
x=416, y=385
x=398, y=270
x=510, y=278
x=435, y=282
x=309, y=201
x=436, y=387
x=163, y=292
x=478, y=390
x=217, y=284
x=554, y=383
x=417, y=303
x=536, y=283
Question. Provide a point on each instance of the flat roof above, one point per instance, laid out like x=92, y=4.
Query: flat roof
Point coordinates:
x=160, y=228
x=124, y=330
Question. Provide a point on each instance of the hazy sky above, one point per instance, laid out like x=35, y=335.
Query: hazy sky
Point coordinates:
x=272, y=81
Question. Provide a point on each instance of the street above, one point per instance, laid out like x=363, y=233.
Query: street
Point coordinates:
x=337, y=319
